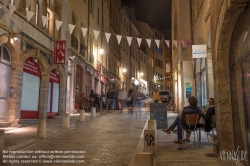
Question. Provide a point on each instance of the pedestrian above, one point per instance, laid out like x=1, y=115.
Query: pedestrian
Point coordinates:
x=84, y=102
x=113, y=99
x=92, y=97
x=130, y=101
x=108, y=100
x=156, y=96
x=103, y=100
x=139, y=100
x=122, y=97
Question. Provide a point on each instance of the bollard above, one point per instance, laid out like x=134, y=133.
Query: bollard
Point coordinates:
x=1, y=141
x=152, y=126
x=41, y=128
x=143, y=159
x=93, y=112
x=150, y=142
x=82, y=115
x=66, y=120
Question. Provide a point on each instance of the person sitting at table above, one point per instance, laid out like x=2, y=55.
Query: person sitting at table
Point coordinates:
x=180, y=120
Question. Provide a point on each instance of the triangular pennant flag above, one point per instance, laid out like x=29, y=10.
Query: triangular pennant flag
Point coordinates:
x=58, y=24
x=96, y=33
x=107, y=36
x=84, y=30
x=29, y=15
x=149, y=42
x=52, y=1
x=167, y=42
x=139, y=41
x=157, y=43
x=175, y=42
x=40, y=2
x=28, y=3
x=12, y=8
x=5, y=3
x=71, y=28
x=119, y=37
x=17, y=3
x=129, y=40
x=45, y=20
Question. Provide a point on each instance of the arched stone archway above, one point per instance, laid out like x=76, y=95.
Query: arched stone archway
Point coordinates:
x=228, y=16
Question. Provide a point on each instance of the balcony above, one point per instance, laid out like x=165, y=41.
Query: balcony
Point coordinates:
x=91, y=59
x=83, y=50
x=74, y=42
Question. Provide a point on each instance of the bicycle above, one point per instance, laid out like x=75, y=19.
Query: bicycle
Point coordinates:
x=171, y=105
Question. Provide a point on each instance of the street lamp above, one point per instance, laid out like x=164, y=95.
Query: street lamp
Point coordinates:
x=124, y=70
x=101, y=51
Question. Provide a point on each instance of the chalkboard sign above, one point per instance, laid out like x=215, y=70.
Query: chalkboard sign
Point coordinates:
x=158, y=112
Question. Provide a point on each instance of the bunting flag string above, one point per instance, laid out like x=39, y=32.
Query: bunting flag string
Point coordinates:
x=107, y=36
x=139, y=41
x=58, y=24
x=12, y=9
x=119, y=37
x=84, y=31
x=184, y=43
x=28, y=3
x=96, y=34
x=71, y=28
x=167, y=42
x=157, y=43
x=129, y=40
x=5, y=3
x=45, y=20
x=149, y=42
x=29, y=15
x=175, y=43
x=17, y=3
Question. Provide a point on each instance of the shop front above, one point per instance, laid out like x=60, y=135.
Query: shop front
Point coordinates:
x=53, y=94
x=30, y=89
x=5, y=72
x=78, y=87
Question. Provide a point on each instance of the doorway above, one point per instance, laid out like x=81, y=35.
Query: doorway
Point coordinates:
x=4, y=81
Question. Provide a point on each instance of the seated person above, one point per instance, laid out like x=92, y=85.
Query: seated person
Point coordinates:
x=206, y=115
x=180, y=120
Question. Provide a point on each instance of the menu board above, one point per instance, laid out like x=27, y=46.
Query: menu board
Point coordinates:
x=158, y=111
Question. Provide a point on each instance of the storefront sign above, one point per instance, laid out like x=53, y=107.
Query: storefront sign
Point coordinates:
x=103, y=78
x=199, y=51
x=59, y=51
x=188, y=87
x=168, y=67
x=31, y=67
x=99, y=69
x=54, y=77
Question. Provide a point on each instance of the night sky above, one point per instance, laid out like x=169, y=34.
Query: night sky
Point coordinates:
x=157, y=13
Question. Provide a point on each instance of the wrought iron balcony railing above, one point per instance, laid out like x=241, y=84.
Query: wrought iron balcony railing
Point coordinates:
x=74, y=42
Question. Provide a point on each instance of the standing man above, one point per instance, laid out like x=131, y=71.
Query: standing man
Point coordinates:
x=113, y=99
x=108, y=100
x=122, y=97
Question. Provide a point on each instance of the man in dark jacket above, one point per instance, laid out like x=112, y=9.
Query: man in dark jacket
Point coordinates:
x=180, y=120
x=207, y=115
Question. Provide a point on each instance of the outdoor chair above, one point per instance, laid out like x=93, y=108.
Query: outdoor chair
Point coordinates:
x=192, y=120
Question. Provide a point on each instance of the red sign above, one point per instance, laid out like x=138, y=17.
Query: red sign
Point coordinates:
x=31, y=67
x=99, y=69
x=102, y=78
x=54, y=77
x=59, y=51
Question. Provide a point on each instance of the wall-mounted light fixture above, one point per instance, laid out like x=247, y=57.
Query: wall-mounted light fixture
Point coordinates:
x=35, y=59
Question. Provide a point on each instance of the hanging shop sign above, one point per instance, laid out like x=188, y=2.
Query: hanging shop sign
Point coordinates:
x=54, y=77
x=99, y=69
x=103, y=78
x=199, y=51
x=59, y=52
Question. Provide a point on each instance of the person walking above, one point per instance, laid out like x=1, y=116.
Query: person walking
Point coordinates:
x=139, y=100
x=84, y=102
x=92, y=98
x=130, y=101
x=122, y=97
x=156, y=96
x=113, y=99
x=108, y=100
